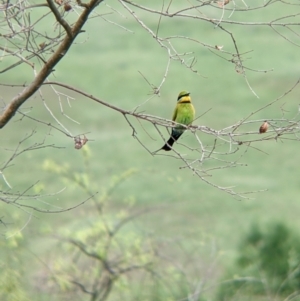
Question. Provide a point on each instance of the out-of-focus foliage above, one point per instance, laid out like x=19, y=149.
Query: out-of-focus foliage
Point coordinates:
x=268, y=264
x=107, y=249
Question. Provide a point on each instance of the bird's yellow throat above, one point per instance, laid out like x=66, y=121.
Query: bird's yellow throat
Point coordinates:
x=185, y=99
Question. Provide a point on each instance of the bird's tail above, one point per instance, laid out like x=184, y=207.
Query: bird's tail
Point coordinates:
x=170, y=142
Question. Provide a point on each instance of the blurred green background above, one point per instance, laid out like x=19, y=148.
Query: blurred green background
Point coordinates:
x=107, y=61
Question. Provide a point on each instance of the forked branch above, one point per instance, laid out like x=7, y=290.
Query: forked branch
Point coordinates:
x=49, y=65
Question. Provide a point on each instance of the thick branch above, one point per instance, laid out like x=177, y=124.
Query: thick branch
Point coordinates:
x=18, y=100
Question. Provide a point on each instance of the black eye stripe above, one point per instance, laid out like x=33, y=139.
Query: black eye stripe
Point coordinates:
x=187, y=94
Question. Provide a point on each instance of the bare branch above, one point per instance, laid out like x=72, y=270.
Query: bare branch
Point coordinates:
x=59, y=19
x=47, y=69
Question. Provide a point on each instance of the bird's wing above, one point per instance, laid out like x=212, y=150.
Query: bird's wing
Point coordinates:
x=175, y=113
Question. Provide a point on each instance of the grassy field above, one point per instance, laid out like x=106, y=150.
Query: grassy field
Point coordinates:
x=107, y=62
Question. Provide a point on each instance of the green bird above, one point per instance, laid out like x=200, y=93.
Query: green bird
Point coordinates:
x=184, y=113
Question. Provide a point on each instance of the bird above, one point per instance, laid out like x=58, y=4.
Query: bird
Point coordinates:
x=264, y=127
x=184, y=113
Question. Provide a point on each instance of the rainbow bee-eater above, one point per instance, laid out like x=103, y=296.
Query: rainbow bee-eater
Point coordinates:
x=184, y=113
